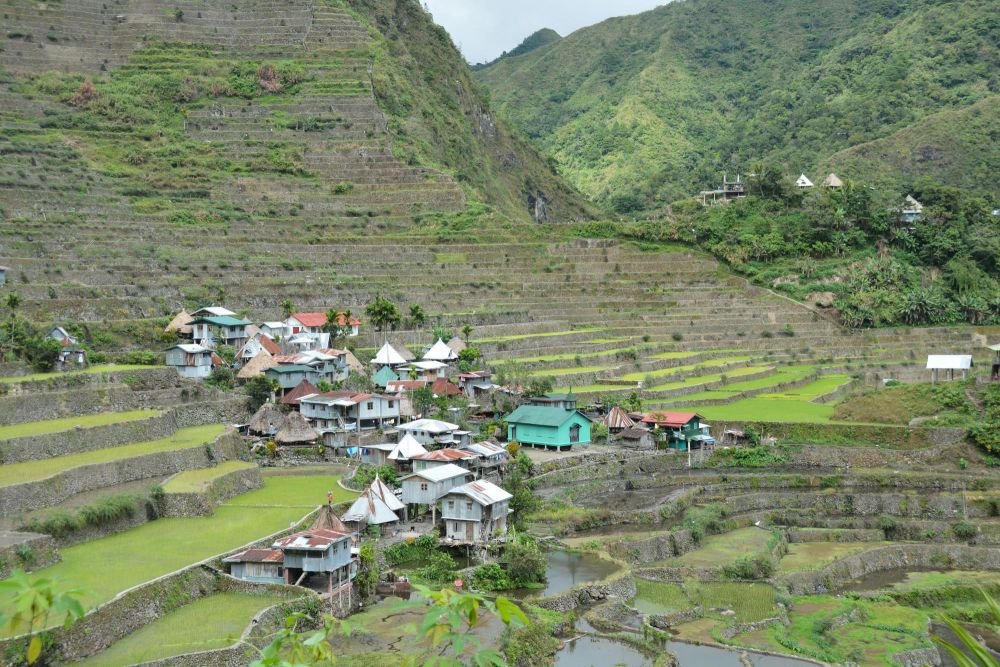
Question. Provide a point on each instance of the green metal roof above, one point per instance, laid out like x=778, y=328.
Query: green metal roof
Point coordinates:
x=385, y=376
x=541, y=415
x=223, y=321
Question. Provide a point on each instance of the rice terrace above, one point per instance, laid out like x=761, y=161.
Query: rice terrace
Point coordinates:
x=320, y=345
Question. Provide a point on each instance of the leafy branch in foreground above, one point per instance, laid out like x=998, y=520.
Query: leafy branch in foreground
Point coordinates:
x=969, y=652
x=33, y=602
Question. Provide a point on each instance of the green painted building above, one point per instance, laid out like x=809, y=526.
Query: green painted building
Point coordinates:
x=548, y=426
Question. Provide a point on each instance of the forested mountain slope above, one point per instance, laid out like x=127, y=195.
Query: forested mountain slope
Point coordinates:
x=643, y=110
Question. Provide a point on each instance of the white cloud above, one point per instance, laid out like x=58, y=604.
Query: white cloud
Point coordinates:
x=484, y=29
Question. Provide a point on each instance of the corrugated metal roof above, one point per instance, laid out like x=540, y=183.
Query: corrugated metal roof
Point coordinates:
x=445, y=455
x=440, y=473
x=317, y=540
x=256, y=556
x=541, y=415
x=483, y=492
x=956, y=362
x=429, y=425
x=672, y=419
x=618, y=419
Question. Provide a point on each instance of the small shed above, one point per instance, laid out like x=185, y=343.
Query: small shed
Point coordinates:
x=803, y=182
x=949, y=363
x=618, y=420
x=257, y=565
x=295, y=430
x=833, y=181
x=636, y=438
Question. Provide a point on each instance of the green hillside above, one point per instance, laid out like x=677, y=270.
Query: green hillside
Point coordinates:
x=643, y=110
x=535, y=40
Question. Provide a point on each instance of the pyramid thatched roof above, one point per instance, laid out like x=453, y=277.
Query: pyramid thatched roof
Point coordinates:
x=403, y=350
x=295, y=429
x=180, y=323
x=267, y=420
x=327, y=520
x=353, y=364
x=456, y=344
x=257, y=365
x=380, y=489
x=440, y=351
x=370, y=509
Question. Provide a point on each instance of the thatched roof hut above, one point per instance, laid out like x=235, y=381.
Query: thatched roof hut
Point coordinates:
x=180, y=324
x=268, y=420
x=456, y=344
x=257, y=365
x=327, y=520
x=296, y=429
x=353, y=364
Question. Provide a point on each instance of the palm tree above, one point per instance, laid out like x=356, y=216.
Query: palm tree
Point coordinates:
x=287, y=308
x=466, y=332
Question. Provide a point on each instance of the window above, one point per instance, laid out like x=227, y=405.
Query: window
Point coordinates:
x=423, y=486
x=468, y=507
x=392, y=404
x=451, y=504
x=370, y=405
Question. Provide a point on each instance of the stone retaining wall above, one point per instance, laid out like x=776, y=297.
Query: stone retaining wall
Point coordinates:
x=155, y=427
x=659, y=547
x=138, y=379
x=221, y=488
x=621, y=587
x=58, y=488
x=26, y=551
x=846, y=535
x=895, y=557
x=609, y=465
x=941, y=506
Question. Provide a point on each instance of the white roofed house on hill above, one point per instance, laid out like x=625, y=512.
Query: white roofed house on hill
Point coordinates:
x=436, y=432
x=475, y=512
x=440, y=351
x=427, y=486
x=950, y=363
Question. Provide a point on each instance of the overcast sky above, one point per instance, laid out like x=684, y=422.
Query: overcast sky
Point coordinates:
x=484, y=29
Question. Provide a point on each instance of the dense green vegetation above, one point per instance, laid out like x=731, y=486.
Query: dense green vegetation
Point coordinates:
x=643, y=110
x=535, y=40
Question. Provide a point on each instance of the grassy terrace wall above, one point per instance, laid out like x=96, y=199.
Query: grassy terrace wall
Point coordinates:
x=57, y=488
x=220, y=488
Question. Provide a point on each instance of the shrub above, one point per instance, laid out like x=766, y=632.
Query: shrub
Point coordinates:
x=750, y=567
x=441, y=568
x=525, y=562
x=887, y=522
x=366, y=475
x=677, y=336
x=964, y=530
x=491, y=578
x=704, y=520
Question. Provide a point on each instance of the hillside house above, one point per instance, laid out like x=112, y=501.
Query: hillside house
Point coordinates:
x=675, y=429
x=348, y=325
x=254, y=346
x=401, y=390
x=435, y=432
x=295, y=431
x=550, y=424
x=288, y=376
x=377, y=505
x=180, y=325
x=428, y=370
x=475, y=513
x=427, y=486
x=439, y=457
x=636, y=438
x=726, y=192
x=910, y=211
x=256, y=366
x=265, y=566
x=389, y=356
x=949, y=363
x=274, y=330
x=377, y=455
x=341, y=411
x=300, y=391
x=833, y=181
x=267, y=420
x=457, y=345
x=617, y=420
x=476, y=384
x=322, y=551
x=440, y=351
x=490, y=458
x=803, y=182
x=190, y=360
x=213, y=311
x=216, y=329
x=305, y=323
x=71, y=358
x=61, y=336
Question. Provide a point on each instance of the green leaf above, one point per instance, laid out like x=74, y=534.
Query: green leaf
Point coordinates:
x=509, y=611
x=34, y=649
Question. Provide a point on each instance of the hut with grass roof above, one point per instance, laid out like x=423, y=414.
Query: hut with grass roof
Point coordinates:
x=268, y=420
x=296, y=430
x=181, y=324
x=257, y=365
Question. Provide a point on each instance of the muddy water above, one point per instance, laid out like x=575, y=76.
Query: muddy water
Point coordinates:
x=565, y=570
x=599, y=652
x=877, y=580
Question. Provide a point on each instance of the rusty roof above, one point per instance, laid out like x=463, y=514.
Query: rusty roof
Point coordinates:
x=256, y=556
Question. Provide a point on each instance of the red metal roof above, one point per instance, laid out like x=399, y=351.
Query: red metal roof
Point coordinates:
x=342, y=320
x=671, y=419
x=445, y=455
x=304, y=388
x=444, y=387
x=272, y=348
x=257, y=556
x=311, y=319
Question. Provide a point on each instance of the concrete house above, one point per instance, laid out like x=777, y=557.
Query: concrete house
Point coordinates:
x=548, y=425
x=435, y=432
x=676, y=429
x=348, y=411
x=426, y=486
x=258, y=565
x=225, y=330
x=475, y=512
x=440, y=457
x=305, y=323
x=322, y=551
x=289, y=376
x=190, y=360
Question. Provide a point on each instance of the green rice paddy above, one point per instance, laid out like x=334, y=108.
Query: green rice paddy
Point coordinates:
x=806, y=556
x=208, y=623
x=163, y=546
x=657, y=597
x=793, y=405
x=30, y=471
x=197, y=481
x=49, y=426
x=718, y=550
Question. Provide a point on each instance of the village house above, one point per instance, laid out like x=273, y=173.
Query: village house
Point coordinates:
x=440, y=457
x=549, y=421
x=428, y=370
x=803, y=182
x=384, y=376
x=910, y=211
x=949, y=363
x=475, y=513
x=445, y=387
x=427, y=486
x=389, y=356
x=440, y=351
x=190, y=360
x=348, y=325
x=265, y=566
x=267, y=421
x=401, y=390
x=833, y=181
x=322, y=551
x=995, y=371
x=305, y=323
x=213, y=311
x=726, y=192
x=398, y=454
x=475, y=385
x=490, y=458
x=617, y=420
x=254, y=346
x=435, y=432
x=274, y=330
x=340, y=411
x=636, y=437
x=677, y=429
x=376, y=506
x=61, y=336
x=180, y=325
x=214, y=329
x=300, y=391
x=295, y=430
x=289, y=375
